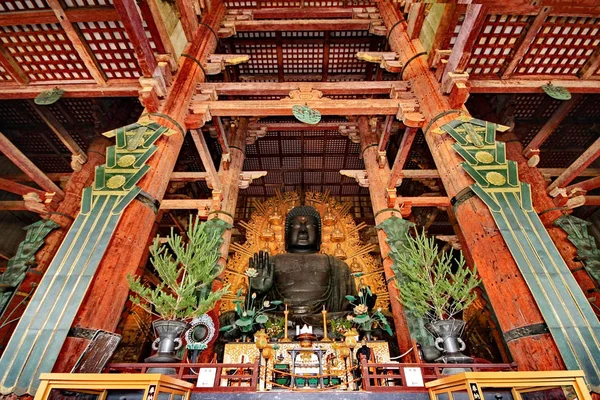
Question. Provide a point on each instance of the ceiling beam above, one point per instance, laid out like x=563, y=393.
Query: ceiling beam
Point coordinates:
x=29, y=168
x=284, y=88
x=401, y=157
x=18, y=205
x=188, y=18
x=20, y=189
x=584, y=160
x=82, y=49
x=299, y=126
x=584, y=186
x=84, y=14
x=115, y=88
x=592, y=201
x=532, y=85
x=78, y=155
x=526, y=42
x=416, y=17
x=132, y=21
x=185, y=204
x=308, y=13
x=207, y=162
x=12, y=67
x=303, y=25
x=222, y=140
x=386, y=132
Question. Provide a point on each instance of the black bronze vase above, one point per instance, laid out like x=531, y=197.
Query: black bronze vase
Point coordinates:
x=447, y=340
x=167, y=343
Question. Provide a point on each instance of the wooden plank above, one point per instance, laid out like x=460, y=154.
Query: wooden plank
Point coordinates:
x=97, y=353
x=424, y=201
x=532, y=84
x=284, y=88
x=54, y=124
x=526, y=42
x=207, y=161
x=163, y=35
x=592, y=201
x=25, y=165
x=221, y=137
x=552, y=172
x=188, y=18
x=12, y=67
x=115, y=88
x=298, y=126
x=550, y=126
x=188, y=176
x=385, y=134
x=185, y=204
x=303, y=25
x=132, y=21
x=82, y=49
x=401, y=157
x=17, y=188
x=36, y=17
x=582, y=162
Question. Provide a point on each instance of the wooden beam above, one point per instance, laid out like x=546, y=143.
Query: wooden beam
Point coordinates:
x=82, y=49
x=284, y=107
x=303, y=25
x=416, y=17
x=84, y=14
x=185, y=204
x=526, y=42
x=591, y=66
x=17, y=188
x=188, y=18
x=115, y=88
x=12, y=67
x=308, y=13
x=533, y=85
x=386, y=132
x=401, y=157
x=299, y=126
x=284, y=88
x=207, y=161
x=151, y=11
x=550, y=126
x=54, y=124
x=461, y=52
x=188, y=176
x=25, y=165
x=586, y=186
x=424, y=201
x=132, y=22
x=17, y=205
x=592, y=201
x=552, y=172
x=588, y=157
x=221, y=136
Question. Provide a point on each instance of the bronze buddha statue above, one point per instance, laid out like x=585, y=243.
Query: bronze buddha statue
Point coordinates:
x=302, y=278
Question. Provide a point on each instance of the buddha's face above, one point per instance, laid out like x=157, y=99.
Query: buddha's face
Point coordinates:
x=303, y=235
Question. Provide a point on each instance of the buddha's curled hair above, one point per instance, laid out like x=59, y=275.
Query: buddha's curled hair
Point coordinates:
x=306, y=211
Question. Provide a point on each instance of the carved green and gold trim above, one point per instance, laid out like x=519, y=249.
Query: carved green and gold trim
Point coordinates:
x=43, y=328
x=566, y=311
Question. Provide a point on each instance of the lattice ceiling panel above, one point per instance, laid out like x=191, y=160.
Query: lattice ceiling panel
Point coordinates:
x=497, y=39
x=4, y=76
x=571, y=137
x=263, y=60
x=302, y=58
x=457, y=26
x=22, y=5
x=562, y=46
x=43, y=52
x=342, y=58
x=112, y=48
x=82, y=110
x=13, y=115
x=52, y=164
x=557, y=159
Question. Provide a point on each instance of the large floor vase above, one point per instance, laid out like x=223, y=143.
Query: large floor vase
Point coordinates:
x=167, y=343
x=447, y=333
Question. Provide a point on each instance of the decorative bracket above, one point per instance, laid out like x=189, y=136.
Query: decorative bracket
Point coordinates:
x=377, y=26
x=456, y=85
x=351, y=132
x=227, y=28
x=217, y=62
x=253, y=134
x=306, y=92
x=246, y=177
x=386, y=60
x=360, y=176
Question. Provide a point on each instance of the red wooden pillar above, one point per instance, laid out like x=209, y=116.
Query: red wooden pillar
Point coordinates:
x=518, y=315
x=108, y=292
x=378, y=178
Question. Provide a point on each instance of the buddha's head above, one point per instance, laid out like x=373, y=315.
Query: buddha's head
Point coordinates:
x=303, y=230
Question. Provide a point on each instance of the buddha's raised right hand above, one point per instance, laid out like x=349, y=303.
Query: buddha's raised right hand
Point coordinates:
x=265, y=271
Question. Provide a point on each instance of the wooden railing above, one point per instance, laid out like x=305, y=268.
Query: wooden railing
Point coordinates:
x=391, y=377
x=227, y=377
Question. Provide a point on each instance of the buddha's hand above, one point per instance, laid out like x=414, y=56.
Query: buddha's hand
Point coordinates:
x=263, y=279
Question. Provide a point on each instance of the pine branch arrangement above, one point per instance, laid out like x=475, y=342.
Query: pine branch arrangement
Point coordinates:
x=187, y=270
x=427, y=283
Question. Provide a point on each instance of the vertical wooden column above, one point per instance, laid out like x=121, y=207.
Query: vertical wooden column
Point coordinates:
x=64, y=215
x=543, y=203
x=518, y=315
x=378, y=178
x=109, y=289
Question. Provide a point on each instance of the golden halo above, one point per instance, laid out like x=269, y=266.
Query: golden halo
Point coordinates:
x=115, y=182
x=484, y=157
x=495, y=178
x=126, y=161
